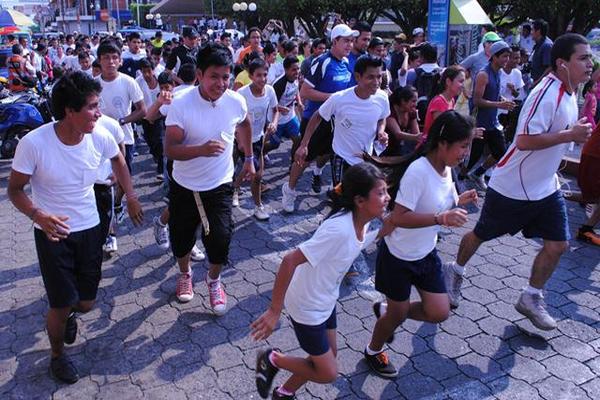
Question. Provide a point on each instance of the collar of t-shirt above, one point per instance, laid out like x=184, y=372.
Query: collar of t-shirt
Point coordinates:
x=428, y=67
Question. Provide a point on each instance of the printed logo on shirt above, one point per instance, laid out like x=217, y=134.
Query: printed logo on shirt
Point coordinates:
x=346, y=123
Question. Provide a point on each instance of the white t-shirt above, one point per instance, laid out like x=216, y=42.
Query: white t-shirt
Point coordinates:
x=89, y=72
x=62, y=177
x=355, y=126
x=72, y=63
x=202, y=121
x=260, y=109
x=516, y=78
x=314, y=288
x=287, y=92
x=117, y=98
x=531, y=174
x=164, y=109
x=137, y=56
x=275, y=71
x=150, y=95
x=160, y=68
x=112, y=126
x=423, y=191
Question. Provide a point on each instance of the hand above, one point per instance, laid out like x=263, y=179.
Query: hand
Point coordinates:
x=301, y=154
x=383, y=138
x=165, y=97
x=271, y=128
x=581, y=131
x=300, y=107
x=134, y=208
x=53, y=225
x=248, y=170
x=511, y=87
x=478, y=133
x=506, y=105
x=470, y=196
x=283, y=110
x=264, y=325
x=455, y=217
x=387, y=228
x=212, y=148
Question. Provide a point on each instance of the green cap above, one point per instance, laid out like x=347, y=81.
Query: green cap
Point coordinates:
x=491, y=37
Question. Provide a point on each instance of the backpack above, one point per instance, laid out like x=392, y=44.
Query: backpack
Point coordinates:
x=424, y=83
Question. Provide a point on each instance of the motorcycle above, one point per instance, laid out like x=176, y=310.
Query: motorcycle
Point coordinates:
x=20, y=113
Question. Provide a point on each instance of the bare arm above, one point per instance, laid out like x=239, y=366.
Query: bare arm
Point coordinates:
x=310, y=93
x=121, y=172
x=392, y=127
x=579, y=133
x=406, y=218
x=138, y=114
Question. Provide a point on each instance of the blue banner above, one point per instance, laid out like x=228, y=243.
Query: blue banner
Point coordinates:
x=437, y=26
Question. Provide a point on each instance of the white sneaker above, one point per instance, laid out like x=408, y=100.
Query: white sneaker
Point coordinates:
x=110, y=246
x=453, y=283
x=260, y=213
x=479, y=180
x=236, y=198
x=590, y=209
x=197, y=254
x=161, y=234
x=288, y=198
x=532, y=306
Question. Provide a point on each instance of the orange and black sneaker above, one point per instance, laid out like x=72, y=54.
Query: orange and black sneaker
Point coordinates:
x=588, y=236
x=380, y=364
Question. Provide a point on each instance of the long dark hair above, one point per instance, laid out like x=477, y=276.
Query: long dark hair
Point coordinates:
x=449, y=73
x=358, y=180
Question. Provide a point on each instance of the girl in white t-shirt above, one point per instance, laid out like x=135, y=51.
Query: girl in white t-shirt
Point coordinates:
x=308, y=283
x=426, y=200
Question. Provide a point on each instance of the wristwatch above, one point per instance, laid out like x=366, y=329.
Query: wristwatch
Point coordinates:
x=121, y=121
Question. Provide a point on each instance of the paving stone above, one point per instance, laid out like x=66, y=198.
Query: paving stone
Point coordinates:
x=568, y=369
x=523, y=368
x=554, y=388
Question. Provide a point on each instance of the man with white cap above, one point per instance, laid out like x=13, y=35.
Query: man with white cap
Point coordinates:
x=418, y=36
x=329, y=73
x=487, y=100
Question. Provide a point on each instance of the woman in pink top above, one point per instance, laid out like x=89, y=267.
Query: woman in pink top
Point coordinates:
x=589, y=106
x=450, y=86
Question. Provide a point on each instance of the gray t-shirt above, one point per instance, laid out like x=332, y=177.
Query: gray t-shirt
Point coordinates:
x=475, y=62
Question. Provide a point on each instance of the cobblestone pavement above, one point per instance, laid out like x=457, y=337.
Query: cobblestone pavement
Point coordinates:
x=139, y=342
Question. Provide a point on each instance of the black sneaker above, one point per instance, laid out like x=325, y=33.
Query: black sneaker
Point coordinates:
x=63, y=369
x=381, y=365
x=278, y=396
x=377, y=312
x=265, y=372
x=316, y=183
x=71, y=329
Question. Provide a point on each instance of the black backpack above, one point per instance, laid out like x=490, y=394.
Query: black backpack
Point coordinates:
x=424, y=83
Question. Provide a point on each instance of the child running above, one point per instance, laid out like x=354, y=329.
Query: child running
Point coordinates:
x=308, y=283
x=426, y=200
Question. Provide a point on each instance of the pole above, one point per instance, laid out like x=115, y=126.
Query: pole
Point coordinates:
x=118, y=16
x=212, y=9
x=138, y=12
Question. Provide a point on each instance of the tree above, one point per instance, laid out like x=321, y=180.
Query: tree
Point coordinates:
x=407, y=14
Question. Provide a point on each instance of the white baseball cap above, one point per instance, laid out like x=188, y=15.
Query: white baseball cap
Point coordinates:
x=343, y=30
x=418, y=31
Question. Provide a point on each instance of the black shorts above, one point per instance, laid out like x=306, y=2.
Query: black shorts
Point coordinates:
x=545, y=218
x=494, y=138
x=321, y=140
x=313, y=338
x=184, y=221
x=71, y=268
x=395, y=277
x=338, y=167
x=104, y=204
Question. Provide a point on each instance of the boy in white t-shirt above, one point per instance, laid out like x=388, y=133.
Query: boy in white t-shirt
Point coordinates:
x=524, y=193
x=85, y=63
x=359, y=113
x=60, y=160
x=261, y=101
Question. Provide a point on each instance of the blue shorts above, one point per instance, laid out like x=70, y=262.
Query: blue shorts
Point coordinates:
x=395, y=277
x=545, y=218
x=313, y=338
x=290, y=130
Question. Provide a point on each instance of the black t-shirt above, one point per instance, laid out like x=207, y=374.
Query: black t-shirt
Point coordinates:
x=184, y=54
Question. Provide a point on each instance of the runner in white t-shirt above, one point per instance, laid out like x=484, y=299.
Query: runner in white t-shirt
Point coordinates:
x=426, y=200
x=524, y=193
x=261, y=102
x=60, y=161
x=201, y=127
x=308, y=283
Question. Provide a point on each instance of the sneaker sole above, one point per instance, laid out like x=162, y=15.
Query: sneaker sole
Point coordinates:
x=184, y=299
x=526, y=314
x=259, y=381
x=381, y=374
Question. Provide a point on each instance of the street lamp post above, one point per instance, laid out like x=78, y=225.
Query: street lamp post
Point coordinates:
x=243, y=8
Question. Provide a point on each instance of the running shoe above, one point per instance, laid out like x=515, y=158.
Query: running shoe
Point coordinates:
x=119, y=214
x=196, y=254
x=316, y=184
x=590, y=237
x=161, y=234
x=185, y=289
x=381, y=365
x=265, y=372
x=62, y=368
x=110, y=247
x=478, y=180
x=453, y=282
x=379, y=309
x=236, y=198
x=218, y=298
x=278, y=396
x=590, y=209
x=533, y=307
x=288, y=198
x=261, y=213
x=70, y=329
x=160, y=177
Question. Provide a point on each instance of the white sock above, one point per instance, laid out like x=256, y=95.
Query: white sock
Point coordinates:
x=459, y=269
x=372, y=352
x=318, y=171
x=189, y=271
x=531, y=290
x=211, y=280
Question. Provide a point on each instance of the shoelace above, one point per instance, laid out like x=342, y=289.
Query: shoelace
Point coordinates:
x=382, y=358
x=184, y=284
x=163, y=235
x=215, y=292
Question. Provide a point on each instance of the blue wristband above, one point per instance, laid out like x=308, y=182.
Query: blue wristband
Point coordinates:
x=248, y=158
